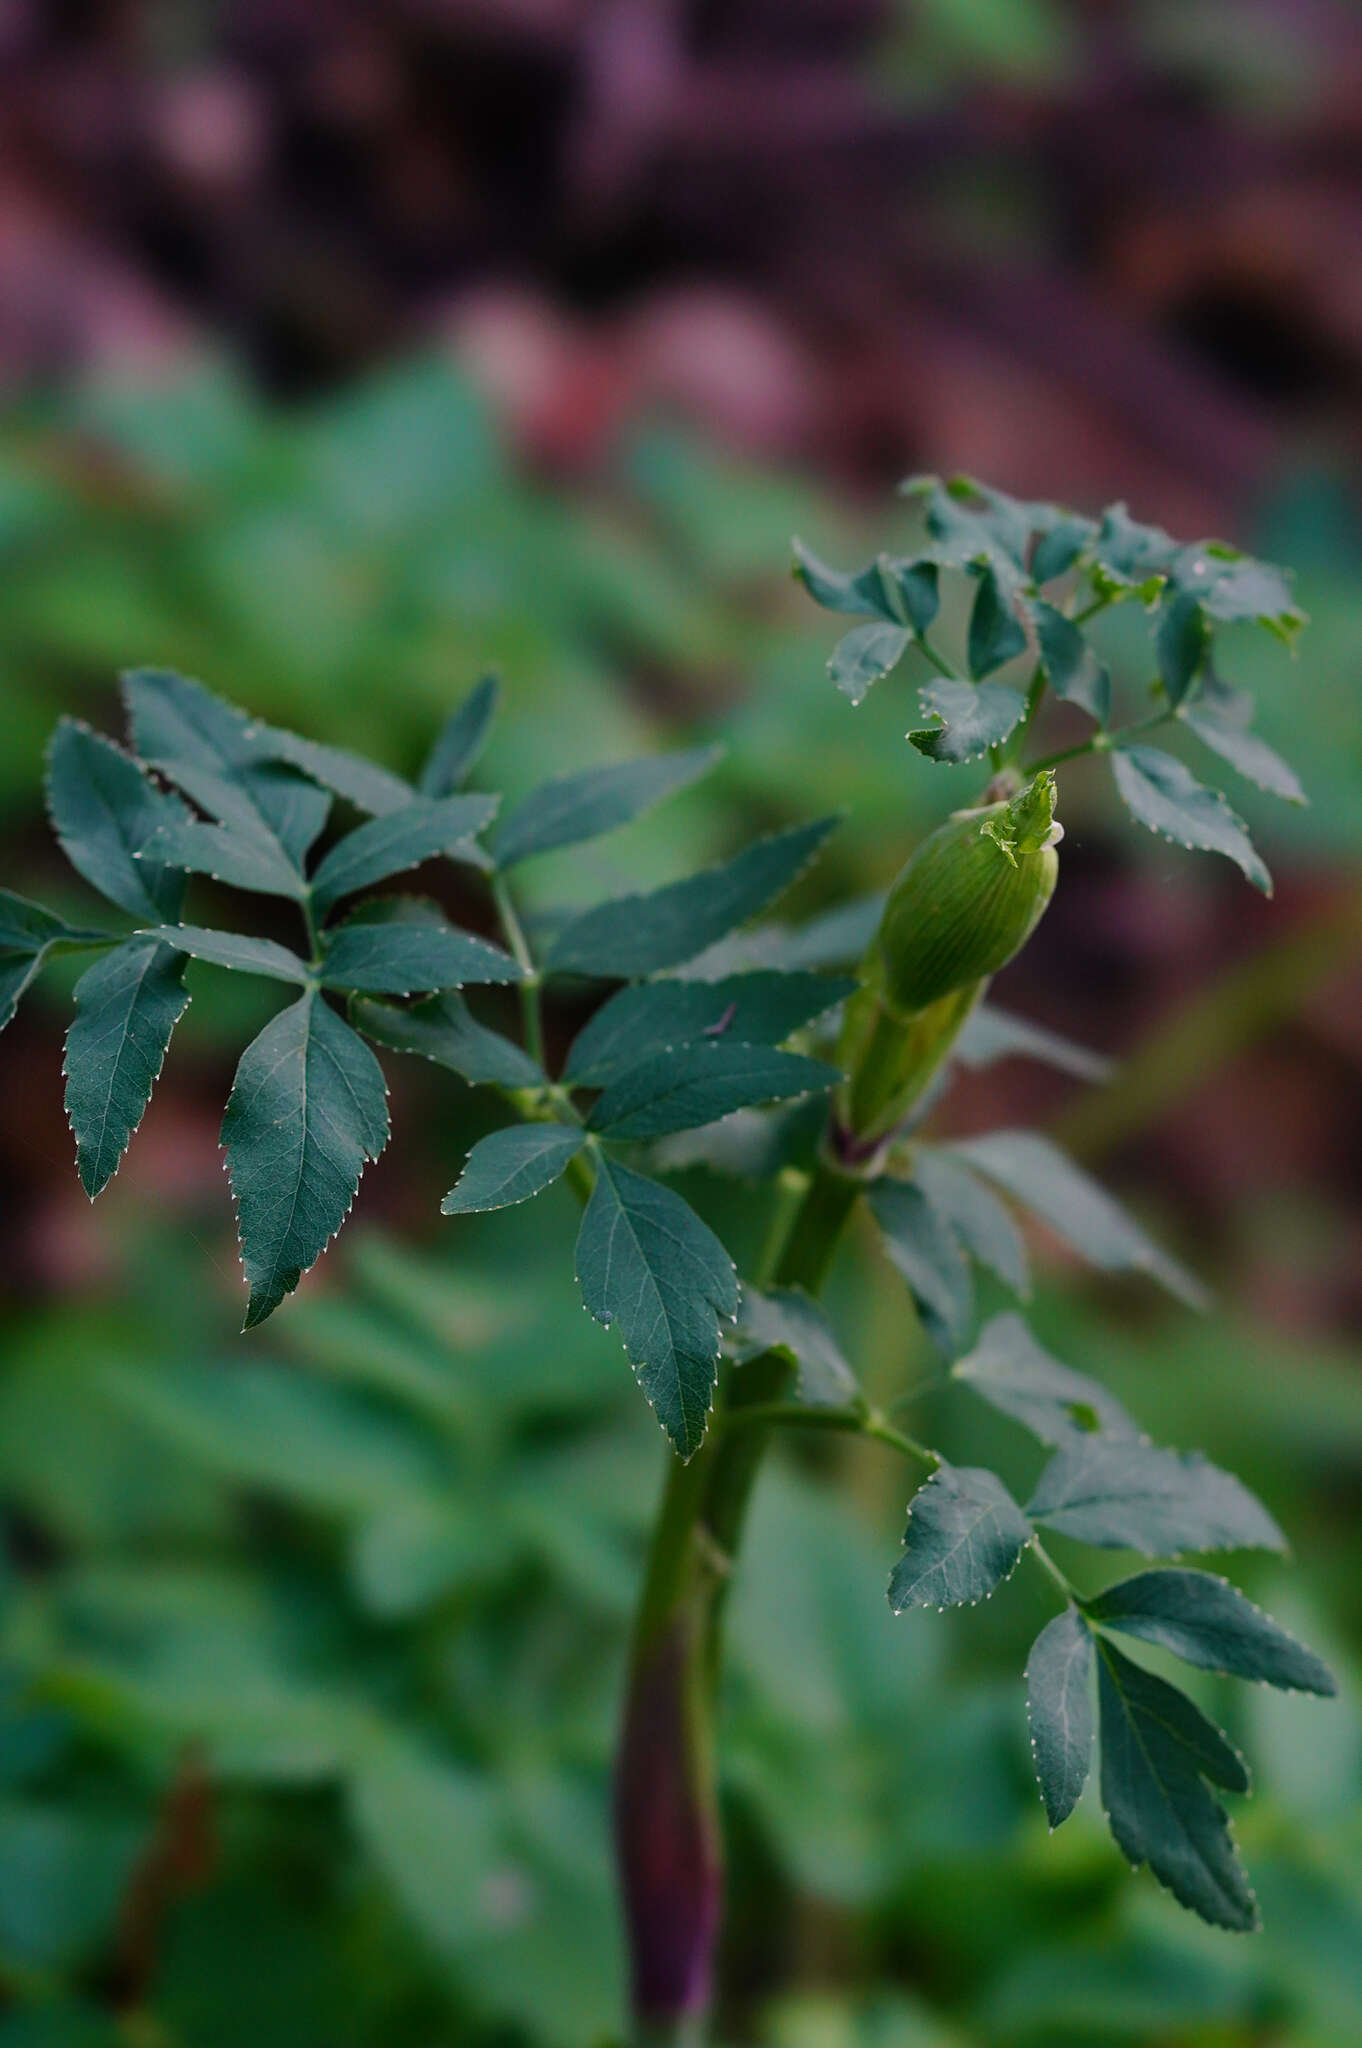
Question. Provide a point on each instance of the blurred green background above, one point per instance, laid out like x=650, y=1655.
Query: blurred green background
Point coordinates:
x=346, y=352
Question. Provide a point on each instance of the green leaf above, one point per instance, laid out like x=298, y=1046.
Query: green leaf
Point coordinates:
x=442, y=1028
x=929, y=1258
x=211, y=750
x=964, y=1536
x=913, y=590
x=1159, y=791
x=996, y=634
x=1209, y=1622
x=127, y=1005
x=1060, y=546
x=230, y=949
x=1076, y=1207
x=864, y=592
x=402, y=839
x=1220, y=717
x=1071, y=666
x=983, y=1226
x=746, y=1009
x=308, y=1107
x=511, y=1165
x=1232, y=586
x=243, y=862
x=28, y=933
x=1132, y=554
x=992, y=1034
x=968, y=720
x=785, y=1319
x=462, y=739
x=1120, y=1495
x=362, y=783
x=647, y=1264
x=645, y=934
x=576, y=807
x=697, y=1084
x=399, y=959
x=1009, y=1370
x=1157, y=1752
x=1059, y=1710
x=1182, y=641
x=433, y=1832
x=104, y=810
x=865, y=654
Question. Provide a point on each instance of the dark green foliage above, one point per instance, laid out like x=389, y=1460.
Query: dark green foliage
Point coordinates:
x=512, y=1165
x=965, y=1534
x=127, y=1005
x=1059, y=1709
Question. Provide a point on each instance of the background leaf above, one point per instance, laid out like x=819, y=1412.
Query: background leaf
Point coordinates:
x=576, y=807
x=785, y=1319
x=1010, y=1370
x=926, y=1253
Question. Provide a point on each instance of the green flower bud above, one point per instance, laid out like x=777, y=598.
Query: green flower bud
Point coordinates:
x=969, y=899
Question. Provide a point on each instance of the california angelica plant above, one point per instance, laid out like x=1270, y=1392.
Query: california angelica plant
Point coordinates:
x=812, y=1082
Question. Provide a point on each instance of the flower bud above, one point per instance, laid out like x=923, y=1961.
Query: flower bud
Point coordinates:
x=970, y=898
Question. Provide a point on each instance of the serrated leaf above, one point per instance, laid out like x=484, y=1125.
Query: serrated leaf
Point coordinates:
x=968, y=720
x=1157, y=1752
x=865, y=654
x=1131, y=553
x=400, y=959
x=1077, y=1207
x=990, y=1034
x=511, y=1165
x=104, y=810
x=996, y=634
x=1059, y=1710
x=964, y=1536
x=241, y=861
x=230, y=949
x=461, y=740
x=697, y=1084
x=1220, y=717
x=983, y=1226
x=1182, y=640
x=362, y=783
x=926, y=1253
x=308, y=1109
x=785, y=1319
x=442, y=1028
x=127, y=1005
x=745, y=1009
x=1132, y=1496
x=646, y=934
x=209, y=748
x=647, y=1265
x=575, y=807
x=1071, y=666
x=402, y=839
x=1010, y=1370
x=1208, y=1622
x=1164, y=795
x=28, y=933
x=836, y=592
x=1233, y=586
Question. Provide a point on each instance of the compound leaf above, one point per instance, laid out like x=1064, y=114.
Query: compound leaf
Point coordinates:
x=964, y=1536
x=968, y=720
x=242, y=861
x=647, y=1264
x=127, y=1005
x=980, y=1221
x=575, y=807
x=745, y=1009
x=697, y=1084
x=785, y=1319
x=1009, y=1370
x=865, y=654
x=104, y=811
x=1076, y=1206
x=1206, y=1621
x=231, y=949
x=1163, y=794
x=399, y=840
x=461, y=740
x=645, y=934
x=399, y=959
x=1158, y=1750
x=1059, y=1710
x=308, y=1108
x=442, y=1028
x=511, y=1165
x=1121, y=1495
x=926, y=1253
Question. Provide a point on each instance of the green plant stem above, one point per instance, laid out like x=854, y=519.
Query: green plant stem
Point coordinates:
x=1100, y=742
x=530, y=981
x=866, y=1422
